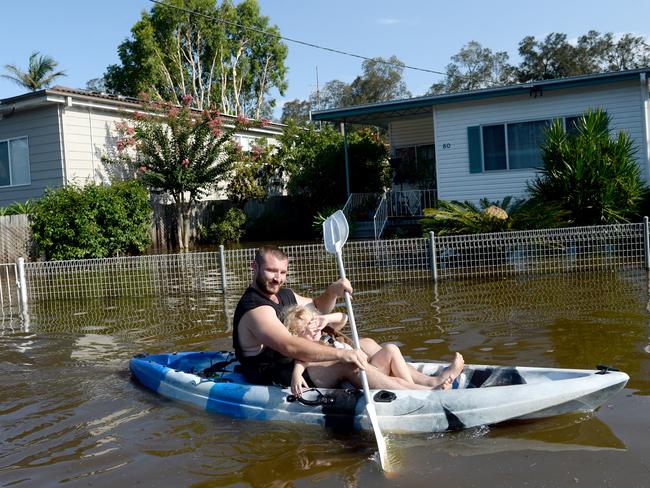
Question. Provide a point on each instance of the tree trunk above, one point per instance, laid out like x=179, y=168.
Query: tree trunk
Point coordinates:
x=187, y=220
x=179, y=226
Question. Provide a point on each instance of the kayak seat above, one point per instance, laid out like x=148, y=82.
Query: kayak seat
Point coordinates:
x=499, y=376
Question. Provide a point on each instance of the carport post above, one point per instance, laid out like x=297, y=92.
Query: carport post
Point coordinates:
x=345, y=152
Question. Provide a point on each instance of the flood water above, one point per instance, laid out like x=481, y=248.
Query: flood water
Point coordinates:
x=70, y=414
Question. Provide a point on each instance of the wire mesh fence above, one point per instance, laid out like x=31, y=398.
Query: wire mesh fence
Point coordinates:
x=311, y=267
x=166, y=274
x=541, y=251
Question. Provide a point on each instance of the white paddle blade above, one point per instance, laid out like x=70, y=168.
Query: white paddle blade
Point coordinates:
x=381, y=442
x=335, y=232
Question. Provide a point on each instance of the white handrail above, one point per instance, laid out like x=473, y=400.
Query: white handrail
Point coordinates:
x=380, y=218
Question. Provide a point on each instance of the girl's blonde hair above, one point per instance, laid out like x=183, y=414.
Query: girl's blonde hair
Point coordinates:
x=296, y=318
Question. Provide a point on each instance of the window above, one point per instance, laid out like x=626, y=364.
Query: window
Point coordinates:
x=494, y=147
x=14, y=162
x=510, y=145
x=415, y=165
x=524, y=142
x=506, y=146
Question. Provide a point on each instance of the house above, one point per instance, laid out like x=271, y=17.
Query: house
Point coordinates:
x=486, y=143
x=56, y=136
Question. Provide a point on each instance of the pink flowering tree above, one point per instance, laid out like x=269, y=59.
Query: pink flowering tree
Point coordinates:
x=256, y=174
x=179, y=152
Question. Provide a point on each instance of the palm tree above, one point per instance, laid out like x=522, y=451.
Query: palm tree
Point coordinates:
x=40, y=72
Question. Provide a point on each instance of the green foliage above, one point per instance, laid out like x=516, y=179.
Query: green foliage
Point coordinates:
x=230, y=228
x=296, y=111
x=93, y=221
x=18, y=208
x=593, y=177
x=556, y=57
x=475, y=67
x=255, y=175
x=380, y=81
x=453, y=217
x=319, y=219
x=315, y=162
x=40, y=72
x=231, y=65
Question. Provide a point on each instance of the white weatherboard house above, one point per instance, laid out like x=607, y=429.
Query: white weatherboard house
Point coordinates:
x=485, y=143
x=56, y=136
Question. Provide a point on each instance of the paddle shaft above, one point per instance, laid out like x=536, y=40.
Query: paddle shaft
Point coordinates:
x=353, y=327
x=335, y=234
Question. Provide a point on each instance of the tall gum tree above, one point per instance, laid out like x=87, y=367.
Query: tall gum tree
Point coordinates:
x=230, y=65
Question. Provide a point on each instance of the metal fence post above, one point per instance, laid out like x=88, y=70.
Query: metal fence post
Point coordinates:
x=22, y=284
x=432, y=256
x=646, y=242
x=222, y=265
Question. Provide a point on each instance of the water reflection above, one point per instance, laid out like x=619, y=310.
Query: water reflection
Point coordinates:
x=70, y=412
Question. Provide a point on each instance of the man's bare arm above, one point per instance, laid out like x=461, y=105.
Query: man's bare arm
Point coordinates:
x=326, y=301
x=265, y=327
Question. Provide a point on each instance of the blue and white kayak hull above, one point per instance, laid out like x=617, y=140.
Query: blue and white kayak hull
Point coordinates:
x=485, y=395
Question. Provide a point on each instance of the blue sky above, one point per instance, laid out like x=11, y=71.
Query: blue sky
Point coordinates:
x=83, y=35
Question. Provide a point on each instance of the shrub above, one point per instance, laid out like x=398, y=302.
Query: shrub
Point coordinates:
x=593, y=177
x=230, y=228
x=315, y=162
x=93, y=221
x=453, y=217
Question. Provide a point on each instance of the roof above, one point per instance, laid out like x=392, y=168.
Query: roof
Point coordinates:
x=65, y=91
x=380, y=113
x=58, y=93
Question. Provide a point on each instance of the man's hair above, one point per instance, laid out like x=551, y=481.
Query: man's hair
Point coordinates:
x=274, y=251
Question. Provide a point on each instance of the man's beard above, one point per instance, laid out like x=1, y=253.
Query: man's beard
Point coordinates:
x=263, y=286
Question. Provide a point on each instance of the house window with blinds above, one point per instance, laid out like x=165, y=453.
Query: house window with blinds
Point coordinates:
x=506, y=146
x=14, y=162
x=510, y=146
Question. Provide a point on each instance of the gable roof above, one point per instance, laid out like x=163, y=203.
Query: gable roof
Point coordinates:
x=379, y=113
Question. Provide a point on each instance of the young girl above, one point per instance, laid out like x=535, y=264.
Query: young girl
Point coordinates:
x=302, y=321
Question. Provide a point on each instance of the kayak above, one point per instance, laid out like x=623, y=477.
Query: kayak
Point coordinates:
x=482, y=394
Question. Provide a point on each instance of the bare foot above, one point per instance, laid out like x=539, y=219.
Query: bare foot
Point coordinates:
x=450, y=373
x=446, y=384
x=456, y=367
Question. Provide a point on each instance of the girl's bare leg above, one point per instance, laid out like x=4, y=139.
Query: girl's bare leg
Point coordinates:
x=389, y=360
x=370, y=347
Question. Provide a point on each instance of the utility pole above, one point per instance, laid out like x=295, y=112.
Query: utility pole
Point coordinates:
x=317, y=95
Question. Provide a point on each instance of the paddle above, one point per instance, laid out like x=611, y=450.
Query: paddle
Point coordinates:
x=335, y=234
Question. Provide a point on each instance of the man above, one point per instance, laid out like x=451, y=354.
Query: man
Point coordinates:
x=267, y=351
